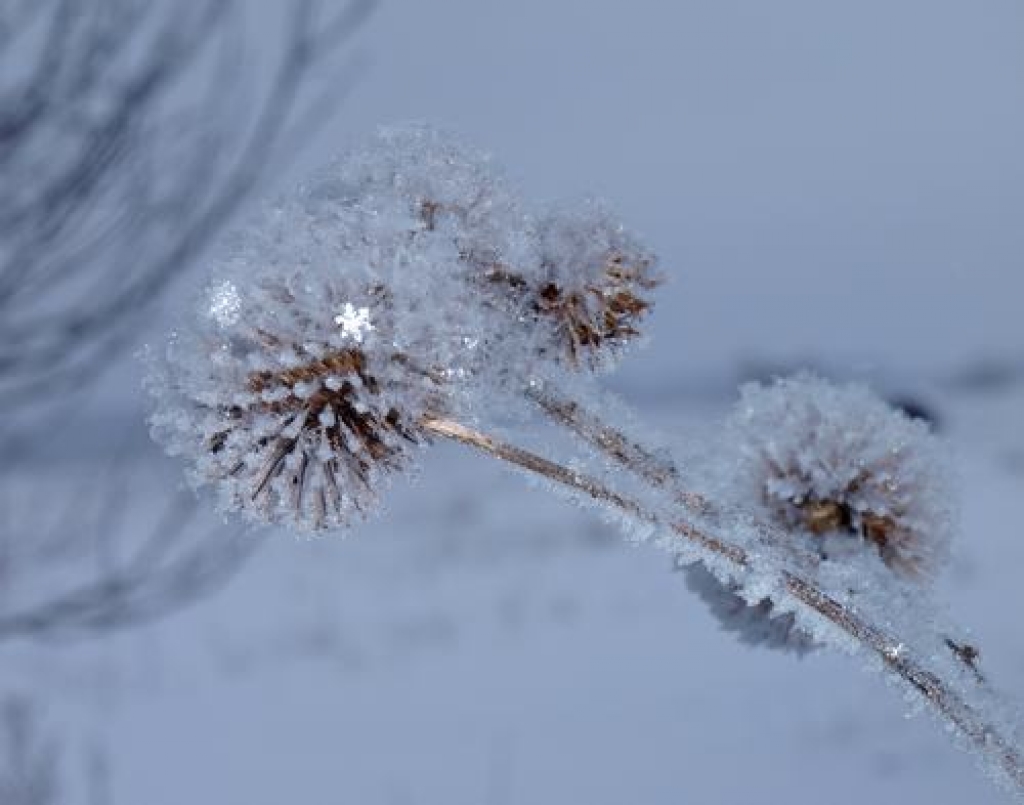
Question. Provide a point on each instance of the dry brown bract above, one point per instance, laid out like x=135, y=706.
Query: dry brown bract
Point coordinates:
x=599, y=315
x=895, y=542
x=591, y=321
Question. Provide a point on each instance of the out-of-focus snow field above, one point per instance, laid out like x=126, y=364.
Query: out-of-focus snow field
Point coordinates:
x=484, y=642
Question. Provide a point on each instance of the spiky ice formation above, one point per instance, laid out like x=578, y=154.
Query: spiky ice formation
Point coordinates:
x=285, y=400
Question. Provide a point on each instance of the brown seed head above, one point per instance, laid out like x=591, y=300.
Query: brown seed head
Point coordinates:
x=591, y=321
x=334, y=437
x=839, y=464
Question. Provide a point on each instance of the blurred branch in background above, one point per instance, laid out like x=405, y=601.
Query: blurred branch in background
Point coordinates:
x=130, y=132
x=102, y=556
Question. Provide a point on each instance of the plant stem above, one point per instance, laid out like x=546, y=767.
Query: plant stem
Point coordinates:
x=657, y=470
x=941, y=695
x=572, y=479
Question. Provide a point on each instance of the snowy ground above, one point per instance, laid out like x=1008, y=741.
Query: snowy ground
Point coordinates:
x=487, y=643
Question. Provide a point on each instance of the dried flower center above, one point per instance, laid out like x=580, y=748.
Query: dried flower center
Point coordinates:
x=330, y=402
x=339, y=399
x=822, y=517
x=825, y=516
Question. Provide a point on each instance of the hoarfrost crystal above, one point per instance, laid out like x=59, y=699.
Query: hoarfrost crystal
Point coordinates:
x=594, y=284
x=225, y=303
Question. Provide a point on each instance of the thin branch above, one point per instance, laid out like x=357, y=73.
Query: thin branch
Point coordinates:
x=659, y=471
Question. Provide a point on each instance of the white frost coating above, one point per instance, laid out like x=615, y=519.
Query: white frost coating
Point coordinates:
x=843, y=471
x=225, y=303
x=413, y=179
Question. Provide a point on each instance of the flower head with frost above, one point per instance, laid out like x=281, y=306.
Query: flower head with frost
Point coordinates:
x=414, y=178
x=290, y=417
x=844, y=470
x=328, y=329
x=580, y=302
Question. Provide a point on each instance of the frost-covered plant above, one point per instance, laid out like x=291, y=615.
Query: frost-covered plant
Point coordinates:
x=406, y=292
x=297, y=414
x=347, y=313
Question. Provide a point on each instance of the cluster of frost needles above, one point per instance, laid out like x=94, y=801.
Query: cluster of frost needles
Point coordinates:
x=407, y=295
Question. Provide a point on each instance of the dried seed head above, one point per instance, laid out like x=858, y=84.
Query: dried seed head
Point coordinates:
x=415, y=179
x=332, y=325
x=847, y=470
x=595, y=284
x=586, y=292
x=287, y=397
x=569, y=287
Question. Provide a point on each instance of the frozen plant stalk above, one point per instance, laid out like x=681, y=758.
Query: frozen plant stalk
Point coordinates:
x=406, y=295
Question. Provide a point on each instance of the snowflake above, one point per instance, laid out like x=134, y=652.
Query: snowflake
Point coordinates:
x=354, y=321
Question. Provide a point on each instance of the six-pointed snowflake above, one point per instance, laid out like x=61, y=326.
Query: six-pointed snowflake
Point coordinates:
x=354, y=321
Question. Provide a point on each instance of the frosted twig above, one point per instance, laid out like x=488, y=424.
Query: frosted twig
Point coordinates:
x=580, y=482
x=940, y=694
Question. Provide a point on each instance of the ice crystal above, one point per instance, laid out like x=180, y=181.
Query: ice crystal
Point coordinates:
x=225, y=303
